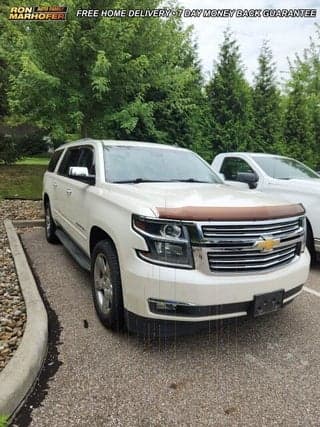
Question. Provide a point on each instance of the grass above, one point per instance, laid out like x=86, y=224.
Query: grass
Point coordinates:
x=21, y=181
x=3, y=421
x=33, y=161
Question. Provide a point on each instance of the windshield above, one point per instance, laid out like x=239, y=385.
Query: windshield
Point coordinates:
x=151, y=164
x=284, y=168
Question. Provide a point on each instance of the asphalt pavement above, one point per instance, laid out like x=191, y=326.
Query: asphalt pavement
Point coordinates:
x=245, y=372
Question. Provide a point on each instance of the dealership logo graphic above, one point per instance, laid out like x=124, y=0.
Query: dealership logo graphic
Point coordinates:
x=38, y=13
x=267, y=244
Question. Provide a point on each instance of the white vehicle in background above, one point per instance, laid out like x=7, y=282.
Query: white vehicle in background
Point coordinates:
x=279, y=176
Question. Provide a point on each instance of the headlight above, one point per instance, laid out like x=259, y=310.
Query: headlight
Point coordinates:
x=168, y=242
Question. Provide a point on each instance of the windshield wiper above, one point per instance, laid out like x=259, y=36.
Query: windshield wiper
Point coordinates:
x=141, y=180
x=191, y=180
x=136, y=181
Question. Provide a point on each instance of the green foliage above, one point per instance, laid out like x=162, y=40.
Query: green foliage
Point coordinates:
x=30, y=144
x=8, y=150
x=111, y=78
x=302, y=113
x=229, y=99
x=298, y=132
x=139, y=79
x=266, y=96
x=3, y=421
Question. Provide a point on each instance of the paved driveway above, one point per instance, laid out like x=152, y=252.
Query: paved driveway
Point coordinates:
x=244, y=372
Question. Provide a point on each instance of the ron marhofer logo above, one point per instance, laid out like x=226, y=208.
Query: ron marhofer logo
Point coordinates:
x=38, y=13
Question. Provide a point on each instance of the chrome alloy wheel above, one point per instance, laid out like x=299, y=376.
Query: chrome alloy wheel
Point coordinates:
x=102, y=284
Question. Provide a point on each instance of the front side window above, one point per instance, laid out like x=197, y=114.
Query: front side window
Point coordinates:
x=54, y=160
x=77, y=156
x=284, y=168
x=231, y=166
x=86, y=159
x=125, y=164
x=70, y=158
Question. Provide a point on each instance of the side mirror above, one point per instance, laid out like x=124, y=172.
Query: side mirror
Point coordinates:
x=81, y=174
x=250, y=178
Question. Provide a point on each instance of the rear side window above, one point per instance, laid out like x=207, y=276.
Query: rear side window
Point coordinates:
x=71, y=158
x=54, y=160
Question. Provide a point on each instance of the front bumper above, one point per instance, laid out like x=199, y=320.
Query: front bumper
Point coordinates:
x=142, y=281
x=152, y=327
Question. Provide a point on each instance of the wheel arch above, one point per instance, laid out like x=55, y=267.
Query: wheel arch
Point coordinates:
x=97, y=234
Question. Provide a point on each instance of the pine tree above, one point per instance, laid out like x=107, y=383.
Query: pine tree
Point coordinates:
x=302, y=114
x=266, y=105
x=298, y=130
x=229, y=99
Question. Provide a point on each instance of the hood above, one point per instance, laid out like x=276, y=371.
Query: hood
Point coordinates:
x=311, y=185
x=177, y=195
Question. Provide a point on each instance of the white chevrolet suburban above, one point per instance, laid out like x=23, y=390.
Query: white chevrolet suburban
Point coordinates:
x=277, y=176
x=169, y=246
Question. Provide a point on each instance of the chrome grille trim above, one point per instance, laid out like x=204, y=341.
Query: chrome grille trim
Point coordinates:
x=231, y=247
x=254, y=257
x=239, y=231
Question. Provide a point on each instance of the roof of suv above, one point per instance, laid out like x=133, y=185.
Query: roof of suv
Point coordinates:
x=110, y=142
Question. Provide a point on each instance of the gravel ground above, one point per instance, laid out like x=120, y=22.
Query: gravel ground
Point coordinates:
x=12, y=308
x=246, y=372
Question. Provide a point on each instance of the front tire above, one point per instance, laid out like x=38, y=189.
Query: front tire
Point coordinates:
x=106, y=286
x=50, y=226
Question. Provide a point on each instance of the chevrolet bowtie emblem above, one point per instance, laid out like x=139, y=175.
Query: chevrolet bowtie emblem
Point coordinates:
x=267, y=244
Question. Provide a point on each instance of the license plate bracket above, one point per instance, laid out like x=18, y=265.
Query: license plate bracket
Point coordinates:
x=267, y=303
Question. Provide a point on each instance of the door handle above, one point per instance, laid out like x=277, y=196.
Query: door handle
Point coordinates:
x=55, y=185
x=69, y=191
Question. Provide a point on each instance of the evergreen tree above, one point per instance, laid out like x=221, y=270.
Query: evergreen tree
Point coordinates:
x=229, y=99
x=266, y=105
x=298, y=130
x=302, y=115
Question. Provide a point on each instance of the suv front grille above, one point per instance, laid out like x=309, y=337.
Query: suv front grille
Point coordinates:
x=243, y=230
x=236, y=247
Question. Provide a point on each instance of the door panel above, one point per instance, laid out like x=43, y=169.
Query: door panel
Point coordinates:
x=64, y=186
x=79, y=200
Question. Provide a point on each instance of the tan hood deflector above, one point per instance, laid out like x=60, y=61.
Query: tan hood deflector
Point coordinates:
x=258, y=213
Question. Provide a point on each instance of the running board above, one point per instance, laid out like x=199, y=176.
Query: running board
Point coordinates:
x=74, y=250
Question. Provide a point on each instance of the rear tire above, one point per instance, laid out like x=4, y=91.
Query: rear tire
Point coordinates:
x=50, y=226
x=106, y=286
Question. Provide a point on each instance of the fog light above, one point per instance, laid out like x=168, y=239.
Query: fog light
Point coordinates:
x=168, y=307
x=163, y=305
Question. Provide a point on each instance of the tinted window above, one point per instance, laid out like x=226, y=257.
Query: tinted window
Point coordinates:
x=54, y=160
x=70, y=158
x=129, y=163
x=232, y=165
x=284, y=168
x=86, y=159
